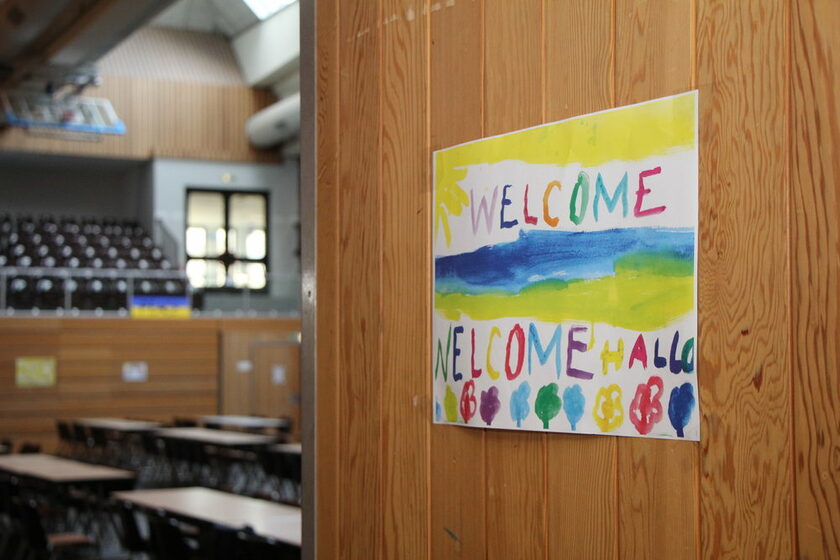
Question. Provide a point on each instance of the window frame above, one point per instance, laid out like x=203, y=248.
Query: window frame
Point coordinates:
x=266, y=260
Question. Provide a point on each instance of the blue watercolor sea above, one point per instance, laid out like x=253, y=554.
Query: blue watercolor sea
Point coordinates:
x=539, y=255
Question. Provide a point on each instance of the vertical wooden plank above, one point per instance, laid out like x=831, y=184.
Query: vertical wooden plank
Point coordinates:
x=360, y=269
x=815, y=259
x=656, y=479
x=743, y=362
x=327, y=272
x=406, y=270
x=653, y=49
x=458, y=515
x=515, y=461
x=581, y=469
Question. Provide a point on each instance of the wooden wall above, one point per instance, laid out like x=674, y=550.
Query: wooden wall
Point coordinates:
x=399, y=78
x=246, y=361
x=176, y=93
x=183, y=358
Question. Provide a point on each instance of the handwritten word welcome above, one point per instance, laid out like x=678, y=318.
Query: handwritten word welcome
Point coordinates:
x=578, y=203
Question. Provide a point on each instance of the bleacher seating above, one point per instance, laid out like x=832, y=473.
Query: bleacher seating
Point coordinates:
x=81, y=264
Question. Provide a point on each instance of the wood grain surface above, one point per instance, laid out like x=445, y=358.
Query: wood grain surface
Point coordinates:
x=458, y=471
x=361, y=243
x=406, y=290
x=164, y=119
x=328, y=370
x=743, y=366
x=182, y=358
x=415, y=76
x=815, y=248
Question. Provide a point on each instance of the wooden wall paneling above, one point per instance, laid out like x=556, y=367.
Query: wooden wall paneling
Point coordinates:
x=175, y=55
x=514, y=461
x=730, y=496
x=273, y=397
x=360, y=274
x=656, y=478
x=581, y=469
x=328, y=296
x=181, y=355
x=743, y=362
x=163, y=119
x=653, y=49
x=406, y=270
x=238, y=383
x=458, y=479
x=815, y=238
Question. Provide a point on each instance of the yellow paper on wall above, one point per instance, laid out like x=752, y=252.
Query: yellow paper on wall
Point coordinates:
x=35, y=371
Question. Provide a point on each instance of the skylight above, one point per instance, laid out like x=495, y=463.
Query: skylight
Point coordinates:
x=266, y=8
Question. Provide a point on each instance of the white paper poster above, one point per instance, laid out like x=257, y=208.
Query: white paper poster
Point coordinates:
x=135, y=372
x=278, y=374
x=565, y=261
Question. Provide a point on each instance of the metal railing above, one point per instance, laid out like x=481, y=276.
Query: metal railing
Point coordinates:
x=129, y=275
x=281, y=299
x=164, y=239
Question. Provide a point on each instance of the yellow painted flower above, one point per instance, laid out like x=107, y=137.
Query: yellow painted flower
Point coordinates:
x=450, y=198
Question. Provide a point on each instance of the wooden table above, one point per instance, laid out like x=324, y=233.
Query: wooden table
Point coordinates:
x=291, y=448
x=219, y=438
x=245, y=422
x=57, y=470
x=119, y=424
x=203, y=505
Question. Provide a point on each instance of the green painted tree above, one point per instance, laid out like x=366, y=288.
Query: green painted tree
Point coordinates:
x=548, y=403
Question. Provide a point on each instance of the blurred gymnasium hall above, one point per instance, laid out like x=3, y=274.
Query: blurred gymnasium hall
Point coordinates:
x=150, y=279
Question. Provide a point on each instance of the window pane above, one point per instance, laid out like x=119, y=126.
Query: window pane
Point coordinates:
x=196, y=241
x=247, y=225
x=205, y=273
x=248, y=275
x=255, y=244
x=205, y=224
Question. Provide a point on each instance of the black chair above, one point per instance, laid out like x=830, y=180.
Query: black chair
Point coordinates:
x=219, y=543
x=102, y=445
x=155, y=470
x=167, y=540
x=181, y=422
x=46, y=546
x=84, y=443
x=65, y=437
x=11, y=540
x=128, y=530
x=21, y=293
x=255, y=547
x=117, y=297
x=29, y=447
x=49, y=293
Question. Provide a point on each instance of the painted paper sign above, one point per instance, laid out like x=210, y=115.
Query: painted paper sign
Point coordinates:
x=565, y=260
x=135, y=372
x=160, y=307
x=35, y=371
x=278, y=374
